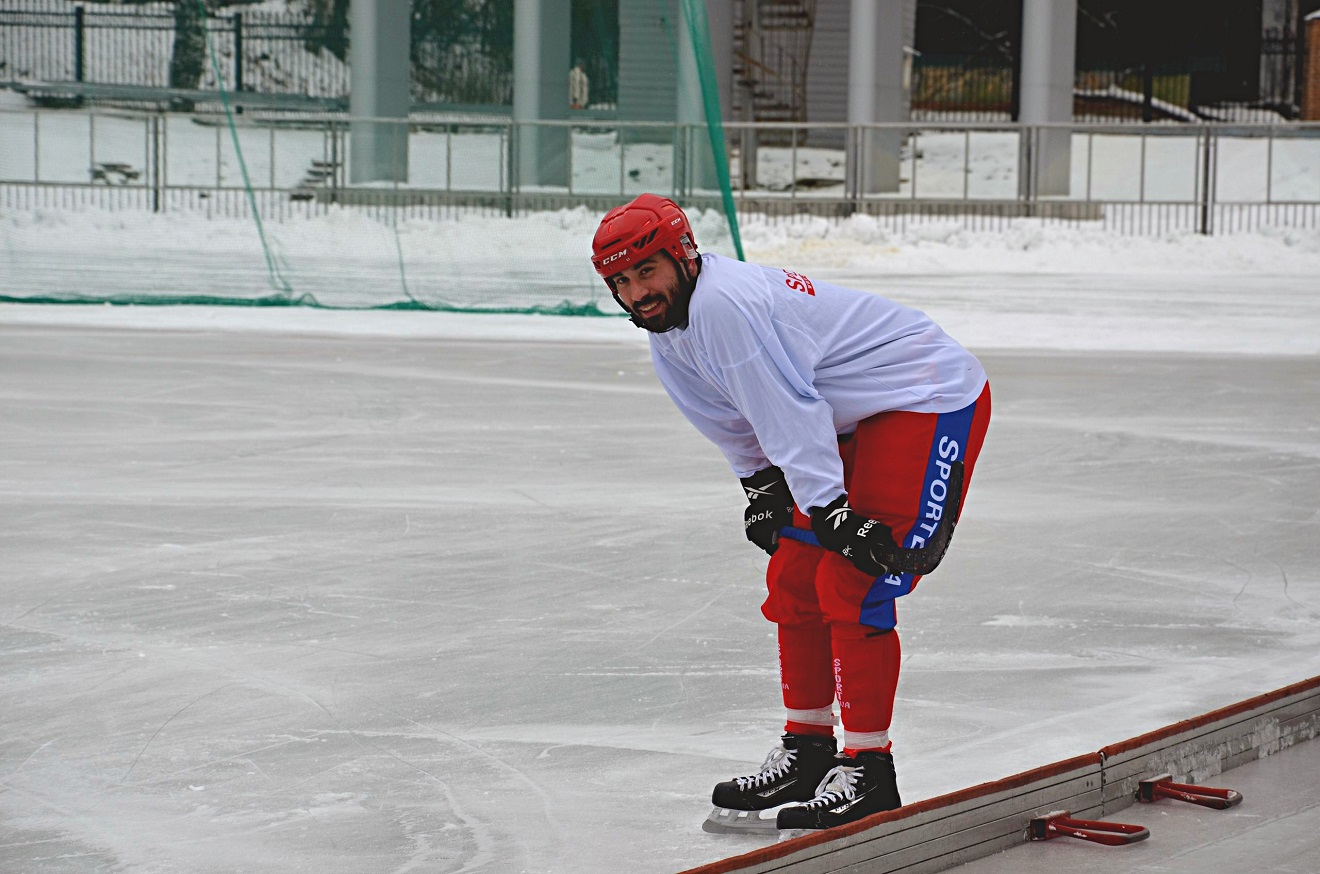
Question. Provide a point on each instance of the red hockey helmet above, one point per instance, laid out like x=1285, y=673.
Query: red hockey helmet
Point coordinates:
x=636, y=231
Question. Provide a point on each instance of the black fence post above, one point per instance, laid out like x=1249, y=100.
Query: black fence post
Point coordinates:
x=1208, y=167
x=154, y=160
x=238, y=51
x=79, y=41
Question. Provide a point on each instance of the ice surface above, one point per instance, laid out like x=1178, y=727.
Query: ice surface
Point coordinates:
x=412, y=591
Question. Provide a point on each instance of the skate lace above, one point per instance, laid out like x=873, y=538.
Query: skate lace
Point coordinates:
x=840, y=783
x=775, y=766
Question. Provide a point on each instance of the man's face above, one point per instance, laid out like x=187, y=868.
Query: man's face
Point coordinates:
x=654, y=292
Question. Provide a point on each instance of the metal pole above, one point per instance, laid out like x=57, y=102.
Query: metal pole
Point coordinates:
x=511, y=155
x=678, y=137
x=36, y=147
x=1207, y=176
x=155, y=163
x=238, y=51
x=79, y=42
x=1024, y=162
x=967, y=163
x=850, y=158
x=1090, y=152
x=515, y=171
x=914, y=165
x=1269, y=165
x=336, y=158
x=570, y=160
x=396, y=130
x=1141, y=196
x=792, y=173
x=165, y=153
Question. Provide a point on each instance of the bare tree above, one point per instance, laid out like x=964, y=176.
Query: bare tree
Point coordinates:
x=188, y=59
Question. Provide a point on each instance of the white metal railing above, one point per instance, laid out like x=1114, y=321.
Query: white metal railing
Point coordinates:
x=307, y=157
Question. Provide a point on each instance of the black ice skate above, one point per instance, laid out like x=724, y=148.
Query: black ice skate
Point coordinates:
x=790, y=775
x=855, y=789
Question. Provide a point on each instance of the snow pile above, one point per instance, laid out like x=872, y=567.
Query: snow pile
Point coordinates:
x=946, y=247
x=1028, y=286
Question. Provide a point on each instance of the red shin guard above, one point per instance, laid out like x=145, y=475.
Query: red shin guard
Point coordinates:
x=866, y=680
x=805, y=672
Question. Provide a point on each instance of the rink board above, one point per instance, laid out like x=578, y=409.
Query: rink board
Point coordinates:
x=1196, y=750
x=948, y=830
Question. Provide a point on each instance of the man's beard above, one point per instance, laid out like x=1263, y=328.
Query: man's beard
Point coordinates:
x=674, y=315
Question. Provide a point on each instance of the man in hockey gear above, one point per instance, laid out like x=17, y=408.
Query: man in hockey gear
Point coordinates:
x=791, y=774
x=769, y=507
x=856, y=788
x=874, y=416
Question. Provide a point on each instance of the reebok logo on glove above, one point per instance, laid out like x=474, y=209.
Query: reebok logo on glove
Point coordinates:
x=867, y=543
x=839, y=516
x=769, y=507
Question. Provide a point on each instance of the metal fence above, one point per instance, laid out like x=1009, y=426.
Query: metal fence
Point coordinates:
x=284, y=53
x=1133, y=178
x=258, y=50
x=982, y=88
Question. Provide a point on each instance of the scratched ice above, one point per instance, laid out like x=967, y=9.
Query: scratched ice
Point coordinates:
x=355, y=592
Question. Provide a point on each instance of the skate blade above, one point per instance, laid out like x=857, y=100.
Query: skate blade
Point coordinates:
x=741, y=822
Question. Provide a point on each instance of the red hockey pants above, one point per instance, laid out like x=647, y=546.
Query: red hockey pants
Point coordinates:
x=836, y=623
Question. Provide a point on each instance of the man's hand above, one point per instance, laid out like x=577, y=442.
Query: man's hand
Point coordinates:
x=769, y=507
x=864, y=542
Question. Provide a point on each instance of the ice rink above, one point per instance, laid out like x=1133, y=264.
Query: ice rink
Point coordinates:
x=391, y=592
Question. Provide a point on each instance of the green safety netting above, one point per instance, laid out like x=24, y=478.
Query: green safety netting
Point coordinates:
x=255, y=205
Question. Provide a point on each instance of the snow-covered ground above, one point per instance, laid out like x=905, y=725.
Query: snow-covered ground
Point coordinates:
x=365, y=257
x=1036, y=278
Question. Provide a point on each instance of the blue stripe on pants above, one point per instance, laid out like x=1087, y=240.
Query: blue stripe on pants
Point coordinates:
x=950, y=441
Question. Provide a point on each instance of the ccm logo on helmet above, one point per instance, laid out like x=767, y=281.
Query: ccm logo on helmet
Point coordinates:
x=615, y=257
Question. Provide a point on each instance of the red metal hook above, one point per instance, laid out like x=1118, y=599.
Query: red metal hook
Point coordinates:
x=1163, y=787
x=1060, y=824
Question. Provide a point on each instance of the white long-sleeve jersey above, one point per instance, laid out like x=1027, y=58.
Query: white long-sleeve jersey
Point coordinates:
x=772, y=367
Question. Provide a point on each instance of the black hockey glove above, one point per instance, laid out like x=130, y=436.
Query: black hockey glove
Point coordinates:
x=769, y=507
x=868, y=544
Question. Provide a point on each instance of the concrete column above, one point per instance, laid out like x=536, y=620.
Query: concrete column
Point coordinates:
x=540, y=89
x=691, y=99
x=382, y=76
x=1049, y=52
x=720, y=15
x=875, y=93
